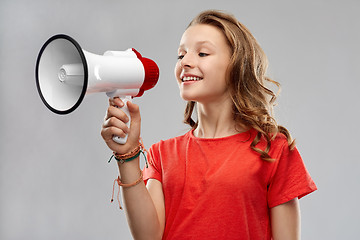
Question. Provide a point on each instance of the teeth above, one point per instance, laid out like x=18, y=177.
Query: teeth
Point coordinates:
x=191, y=79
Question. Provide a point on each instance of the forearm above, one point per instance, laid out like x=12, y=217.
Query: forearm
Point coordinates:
x=141, y=212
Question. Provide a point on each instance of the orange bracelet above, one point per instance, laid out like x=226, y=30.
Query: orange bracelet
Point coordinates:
x=127, y=185
x=118, y=180
x=127, y=155
x=122, y=158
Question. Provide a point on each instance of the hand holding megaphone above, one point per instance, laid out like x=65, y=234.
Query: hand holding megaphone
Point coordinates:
x=115, y=124
x=65, y=73
x=125, y=109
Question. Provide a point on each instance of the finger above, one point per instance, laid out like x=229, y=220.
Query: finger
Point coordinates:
x=117, y=113
x=135, y=117
x=134, y=111
x=135, y=126
x=116, y=102
x=117, y=123
x=110, y=132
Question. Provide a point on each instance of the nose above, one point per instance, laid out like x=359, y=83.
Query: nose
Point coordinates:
x=188, y=61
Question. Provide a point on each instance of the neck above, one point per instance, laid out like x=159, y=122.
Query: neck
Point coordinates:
x=216, y=120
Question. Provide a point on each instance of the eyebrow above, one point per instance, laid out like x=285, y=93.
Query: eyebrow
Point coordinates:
x=200, y=43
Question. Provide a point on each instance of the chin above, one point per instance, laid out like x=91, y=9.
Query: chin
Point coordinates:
x=186, y=97
x=189, y=97
x=195, y=96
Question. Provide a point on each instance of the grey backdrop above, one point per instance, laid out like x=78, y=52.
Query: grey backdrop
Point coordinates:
x=55, y=182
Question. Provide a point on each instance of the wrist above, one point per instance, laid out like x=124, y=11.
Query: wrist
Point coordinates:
x=131, y=155
x=126, y=157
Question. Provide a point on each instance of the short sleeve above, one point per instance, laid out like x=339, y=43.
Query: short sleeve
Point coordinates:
x=290, y=178
x=154, y=165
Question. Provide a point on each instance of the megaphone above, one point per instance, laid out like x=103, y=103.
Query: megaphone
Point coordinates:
x=65, y=73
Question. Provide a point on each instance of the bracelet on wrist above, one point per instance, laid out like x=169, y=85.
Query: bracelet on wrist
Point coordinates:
x=123, y=158
x=124, y=185
x=127, y=157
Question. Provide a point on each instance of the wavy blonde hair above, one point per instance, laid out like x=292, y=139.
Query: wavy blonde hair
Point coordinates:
x=252, y=101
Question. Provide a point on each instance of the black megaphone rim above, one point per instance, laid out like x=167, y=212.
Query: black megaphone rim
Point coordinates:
x=83, y=59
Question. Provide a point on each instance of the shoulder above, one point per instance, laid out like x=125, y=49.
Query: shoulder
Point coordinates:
x=278, y=145
x=280, y=149
x=278, y=140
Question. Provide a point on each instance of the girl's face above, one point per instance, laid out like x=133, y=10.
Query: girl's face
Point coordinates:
x=203, y=58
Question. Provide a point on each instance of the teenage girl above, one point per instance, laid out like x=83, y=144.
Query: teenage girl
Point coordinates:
x=236, y=174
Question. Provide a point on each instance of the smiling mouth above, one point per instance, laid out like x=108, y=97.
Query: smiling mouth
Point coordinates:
x=188, y=79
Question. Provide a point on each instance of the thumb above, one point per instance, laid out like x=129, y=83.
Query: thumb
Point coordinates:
x=135, y=124
x=134, y=112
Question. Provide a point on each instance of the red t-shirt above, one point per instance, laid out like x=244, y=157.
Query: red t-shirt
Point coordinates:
x=220, y=188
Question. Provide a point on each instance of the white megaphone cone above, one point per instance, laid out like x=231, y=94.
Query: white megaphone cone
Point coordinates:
x=65, y=73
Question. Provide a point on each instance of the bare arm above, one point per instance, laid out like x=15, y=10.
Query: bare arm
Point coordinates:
x=144, y=206
x=285, y=221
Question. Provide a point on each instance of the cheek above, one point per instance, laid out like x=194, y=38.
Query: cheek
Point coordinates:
x=177, y=70
x=220, y=71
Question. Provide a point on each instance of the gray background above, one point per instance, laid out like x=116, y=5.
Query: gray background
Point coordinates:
x=55, y=182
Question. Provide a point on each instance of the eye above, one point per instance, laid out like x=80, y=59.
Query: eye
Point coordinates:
x=180, y=57
x=203, y=54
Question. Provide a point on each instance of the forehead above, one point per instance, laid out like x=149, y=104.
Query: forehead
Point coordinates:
x=203, y=34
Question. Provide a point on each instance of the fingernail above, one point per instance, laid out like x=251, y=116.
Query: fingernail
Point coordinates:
x=121, y=103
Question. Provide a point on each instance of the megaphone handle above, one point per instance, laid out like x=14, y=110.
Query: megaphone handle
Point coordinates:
x=126, y=111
